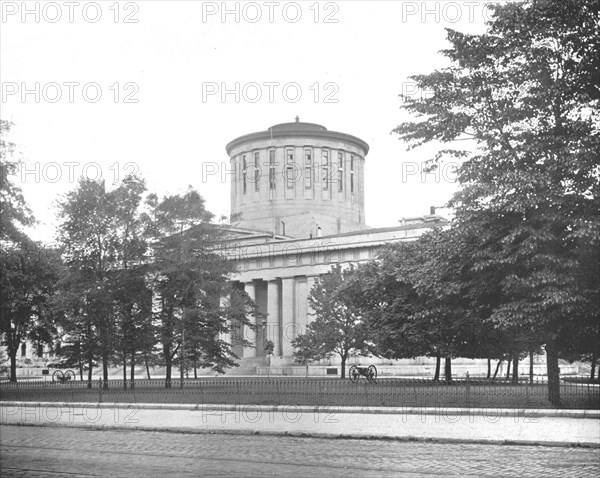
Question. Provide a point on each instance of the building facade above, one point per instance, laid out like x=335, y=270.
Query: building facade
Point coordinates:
x=297, y=209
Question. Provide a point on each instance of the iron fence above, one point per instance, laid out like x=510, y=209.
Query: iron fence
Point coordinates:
x=390, y=392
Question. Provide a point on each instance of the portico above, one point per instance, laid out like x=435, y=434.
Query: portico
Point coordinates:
x=279, y=275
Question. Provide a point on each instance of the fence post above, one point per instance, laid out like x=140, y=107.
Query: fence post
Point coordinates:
x=468, y=391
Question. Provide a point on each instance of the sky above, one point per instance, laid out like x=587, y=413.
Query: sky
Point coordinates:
x=103, y=89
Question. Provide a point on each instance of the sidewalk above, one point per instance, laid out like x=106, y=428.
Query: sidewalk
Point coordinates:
x=498, y=426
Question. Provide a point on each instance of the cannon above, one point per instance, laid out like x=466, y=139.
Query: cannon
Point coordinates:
x=63, y=377
x=370, y=373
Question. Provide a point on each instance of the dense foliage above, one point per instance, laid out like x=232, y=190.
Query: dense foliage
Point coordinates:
x=527, y=93
x=137, y=279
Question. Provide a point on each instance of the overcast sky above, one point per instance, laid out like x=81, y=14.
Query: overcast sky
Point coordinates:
x=109, y=88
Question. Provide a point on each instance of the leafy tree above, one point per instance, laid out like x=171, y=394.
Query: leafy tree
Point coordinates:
x=189, y=279
x=14, y=212
x=338, y=326
x=526, y=92
x=131, y=294
x=28, y=270
x=91, y=251
x=106, y=302
x=28, y=274
x=412, y=302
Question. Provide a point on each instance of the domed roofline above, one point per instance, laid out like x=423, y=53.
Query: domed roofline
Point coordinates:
x=297, y=126
x=297, y=129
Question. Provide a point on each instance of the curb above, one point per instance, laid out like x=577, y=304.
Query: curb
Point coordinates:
x=318, y=435
x=496, y=412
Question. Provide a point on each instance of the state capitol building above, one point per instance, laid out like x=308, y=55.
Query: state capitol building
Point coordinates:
x=297, y=209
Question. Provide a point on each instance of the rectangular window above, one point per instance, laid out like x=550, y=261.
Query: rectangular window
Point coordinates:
x=271, y=173
x=244, y=174
x=289, y=168
x=256, y=171
x=352, y=174
x=307, y=168
x=325, y=164
x=340, y=171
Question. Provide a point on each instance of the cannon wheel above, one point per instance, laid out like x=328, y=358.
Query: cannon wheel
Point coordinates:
x=69, y=375
x=58, y=376
x=372, y=374
x=354, y=374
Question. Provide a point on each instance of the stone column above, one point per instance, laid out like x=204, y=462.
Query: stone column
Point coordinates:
x=250, y=334
x=225, y=336
x=288, y=324
x=310, y=282
x=273, y=317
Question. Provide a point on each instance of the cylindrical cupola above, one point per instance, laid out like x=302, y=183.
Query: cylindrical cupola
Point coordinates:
x=298, y=180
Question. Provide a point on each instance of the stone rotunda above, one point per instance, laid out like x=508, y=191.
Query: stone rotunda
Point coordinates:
x=298, y=177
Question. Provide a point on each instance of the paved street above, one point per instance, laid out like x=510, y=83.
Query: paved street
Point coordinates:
x=59, y=451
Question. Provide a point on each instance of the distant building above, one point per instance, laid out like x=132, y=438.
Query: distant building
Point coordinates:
x=297, y=208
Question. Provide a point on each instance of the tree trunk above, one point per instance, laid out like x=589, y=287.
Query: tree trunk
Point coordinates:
x=438, y=364
x=90, y=370
x=593, y=372
x=448, y=369
x=497, y=369
x=168, y=365
x=531, y=366
x=132, y=369
x=124, y=370
x=508, y=362
x=343, y=366
x=182, y=356
x=515, y=375
x=105, y=369
x=181, y=373
x=553, y=374
x=489, y=370
x=13, y=365
x=195, y=371
x=90, y=355
x=80, y=361
x=147, y=366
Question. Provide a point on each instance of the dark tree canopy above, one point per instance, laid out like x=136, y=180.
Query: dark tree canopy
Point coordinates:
x=527, y=93
x=28, y=269
x=337, y=327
